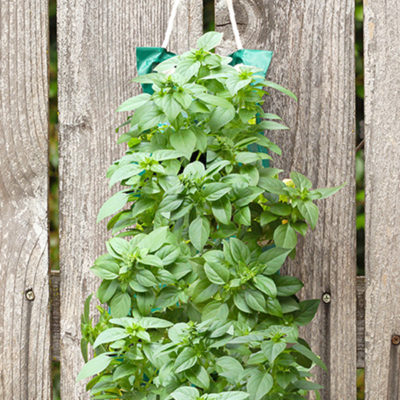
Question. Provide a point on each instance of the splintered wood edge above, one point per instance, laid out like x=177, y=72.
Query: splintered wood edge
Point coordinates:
x=55, y=317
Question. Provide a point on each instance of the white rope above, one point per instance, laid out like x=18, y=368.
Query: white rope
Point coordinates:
x=235, y=29
x=232, y=17
x=170, y=23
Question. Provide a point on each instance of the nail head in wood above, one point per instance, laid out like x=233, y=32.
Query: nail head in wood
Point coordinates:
x=396, y=340
x=326, y=298
x=30, y=295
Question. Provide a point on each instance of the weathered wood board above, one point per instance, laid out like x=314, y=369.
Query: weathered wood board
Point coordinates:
x=313, y=44
x=96, y=42
x=25, y=371
x=382, y=127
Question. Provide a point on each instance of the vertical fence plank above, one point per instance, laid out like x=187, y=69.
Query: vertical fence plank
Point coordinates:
x=24, y=324
x=313, y=44
x=97, y=42
x=382, y=126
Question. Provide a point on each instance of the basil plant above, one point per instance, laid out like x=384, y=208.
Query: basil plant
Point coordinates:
x=195, y=305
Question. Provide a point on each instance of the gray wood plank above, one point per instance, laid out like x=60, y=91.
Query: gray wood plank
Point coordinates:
x=313, y=44
x=97, y=42
x=24, y=324
x=382, y=147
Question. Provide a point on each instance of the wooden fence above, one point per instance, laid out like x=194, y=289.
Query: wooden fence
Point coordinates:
x=313, y=43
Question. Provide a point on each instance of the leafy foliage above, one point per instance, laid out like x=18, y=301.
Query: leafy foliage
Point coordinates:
x=197, y=308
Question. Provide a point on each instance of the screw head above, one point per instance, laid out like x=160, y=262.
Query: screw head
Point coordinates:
x=396, y=340
x=326, y=298
x=30, y=295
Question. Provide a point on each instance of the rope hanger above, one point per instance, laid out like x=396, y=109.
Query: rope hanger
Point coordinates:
x=232, y=18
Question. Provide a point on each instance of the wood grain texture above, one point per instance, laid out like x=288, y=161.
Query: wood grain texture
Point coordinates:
x=96, y=42
x=382, y=173
x=313, y=44
x=24, y=325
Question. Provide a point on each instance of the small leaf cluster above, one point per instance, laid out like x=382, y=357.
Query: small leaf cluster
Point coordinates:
x=196, y=306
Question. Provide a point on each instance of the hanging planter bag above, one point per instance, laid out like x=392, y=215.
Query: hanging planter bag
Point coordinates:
x=196, y=307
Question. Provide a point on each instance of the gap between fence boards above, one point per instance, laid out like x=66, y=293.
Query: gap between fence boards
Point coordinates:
x=55, y=317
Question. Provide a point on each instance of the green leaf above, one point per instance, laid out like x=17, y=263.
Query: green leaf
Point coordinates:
x=307, y=385
x=194, y=170
x=214, y=191
x=266, y=217
x=124, y=172
x=168, y=297
x=287, y=285
x=94, y=366
x=308, y=309
x=209, y=40
x=106, y=270
x=185, y=360
x=300, y=181
x=113, y=205
x=120, y=305
x=288, y=305
x=240, y=302
x=134, y=102
x=145, y=302
x=247, y=157
x=152, y=260
x=170, y=203
x=259, y=384
x=239, y=251
x=117, y=247
x=215, y=101
x=280, y=88
x=255, y=300
x=280, y=209
x=216, y=311
x=216, y=273
x=274, y=307
x=185, y=393
x=146, y=278
x=220, y=117
x=323, y=193
x=230, y=368
x=246, y=195
x=199, y=231
x=154, y=240
x=272, y=185
x=274, y=259
x=228, y=396
x=309, y=211
x=123, y=371
x=222, y=210
x=266, y=285
x=142, y=205
x=198, y=376
x=243, y=216
x=272, y=126
x=300, y=227
x=107, y=290
x=234, y=83
x=154, y=323
x=285, y=236
x=309, y=354
x=272, y=349
x=203, y=291
x=170, y=107
x=110, y=335
x=184, y=141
